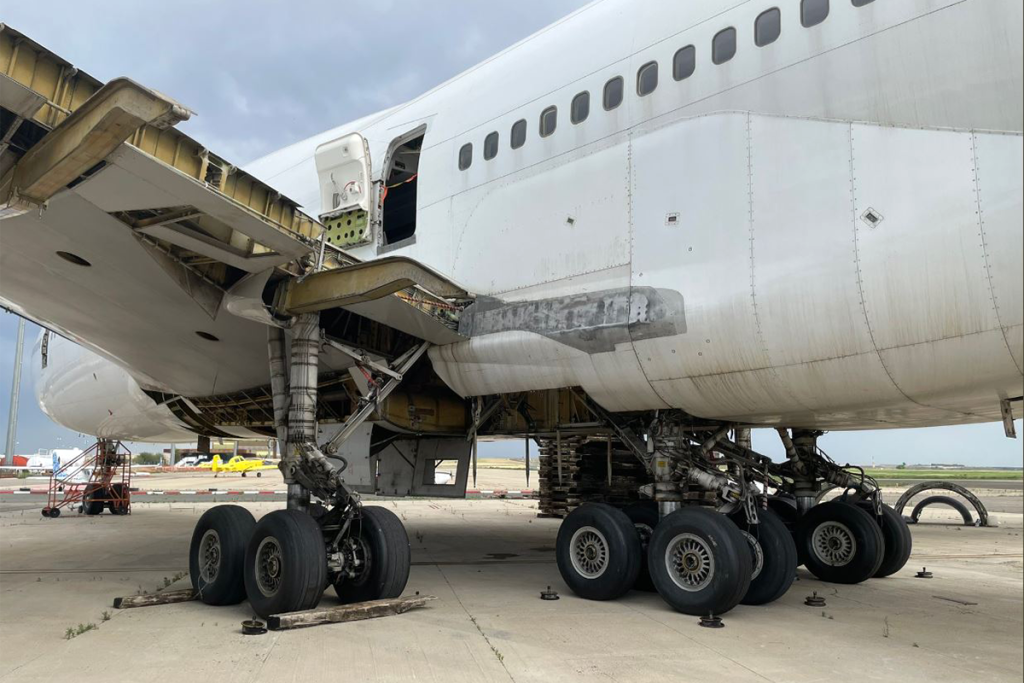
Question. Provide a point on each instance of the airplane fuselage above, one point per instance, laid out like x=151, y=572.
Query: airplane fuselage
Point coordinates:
x=819, y=228
x=712, y=245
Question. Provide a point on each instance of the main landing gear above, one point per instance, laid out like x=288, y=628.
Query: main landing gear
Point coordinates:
x=283, y=562
x=715, y=536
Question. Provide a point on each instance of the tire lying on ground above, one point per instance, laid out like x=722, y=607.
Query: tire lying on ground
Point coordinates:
x=840, y=542
x=285, y=563
x=383, y=546
x=896, y=534
x=598, y=552
x=700, y=562
x=644, y=516
x=217, y=554
x=773, y=555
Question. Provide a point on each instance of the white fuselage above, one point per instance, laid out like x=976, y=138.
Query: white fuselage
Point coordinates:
x=743, y=194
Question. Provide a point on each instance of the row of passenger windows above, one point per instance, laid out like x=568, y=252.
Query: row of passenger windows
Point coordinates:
x=767, y=29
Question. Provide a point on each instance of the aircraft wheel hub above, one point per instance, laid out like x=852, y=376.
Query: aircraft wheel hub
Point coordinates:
x=834, y=544
x=209, y=555
x=589, y=554
x=268, y=566
x=690, y=561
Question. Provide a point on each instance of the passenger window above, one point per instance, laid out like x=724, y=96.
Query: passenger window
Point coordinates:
x=580, y=109
x=767, y=27
x=548, y=121
x=723, y=46
x=861, y=3
x=684, y=62
x=613, y=93
x=491, y=146
x=518, y=136
x=813, y=12
x=465, y=156
x=647, y=79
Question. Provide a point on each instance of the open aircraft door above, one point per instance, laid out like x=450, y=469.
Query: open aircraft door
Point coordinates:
x=343, y=167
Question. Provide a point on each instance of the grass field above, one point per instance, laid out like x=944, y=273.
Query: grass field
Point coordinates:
x=970, y=475
x=877, y=473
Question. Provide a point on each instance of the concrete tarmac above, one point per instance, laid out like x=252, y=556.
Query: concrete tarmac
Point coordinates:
x=487, y=561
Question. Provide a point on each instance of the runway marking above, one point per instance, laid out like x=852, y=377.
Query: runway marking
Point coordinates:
x=966, y=556
x=12, y=572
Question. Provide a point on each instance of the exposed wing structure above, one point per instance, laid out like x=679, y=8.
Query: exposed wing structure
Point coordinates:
x=132, y=238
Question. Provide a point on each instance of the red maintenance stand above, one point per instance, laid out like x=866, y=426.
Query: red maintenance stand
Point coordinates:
x=98, y=478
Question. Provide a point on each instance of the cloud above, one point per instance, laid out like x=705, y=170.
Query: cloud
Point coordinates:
x=263, y=74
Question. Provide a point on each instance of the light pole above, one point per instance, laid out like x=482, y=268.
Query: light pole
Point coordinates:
x=12, y=416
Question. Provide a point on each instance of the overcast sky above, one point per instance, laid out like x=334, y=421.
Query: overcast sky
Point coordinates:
x=261, y=75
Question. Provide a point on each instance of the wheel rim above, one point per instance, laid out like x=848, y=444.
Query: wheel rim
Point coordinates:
x=268, y=566
x=588, y=550
x=690, y=562
x=756, y=552
x=209, y=556
x=833, y=543
x=358, y=559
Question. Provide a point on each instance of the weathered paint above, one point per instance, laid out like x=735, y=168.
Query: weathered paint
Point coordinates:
x=593, y=322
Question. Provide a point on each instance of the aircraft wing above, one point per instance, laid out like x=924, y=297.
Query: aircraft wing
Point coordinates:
x=128, y=236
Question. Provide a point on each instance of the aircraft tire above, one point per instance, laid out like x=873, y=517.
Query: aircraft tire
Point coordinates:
x=700, y=562
x=773, y=557
x=898, y=540
x=598, y=552
x=785, y=509
x=644, y=516
x=840, y=543
x=220, y=538
x=384, y=544
x=285, y=563
x=90, y=504
x=54, y=513
x=46, y=512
